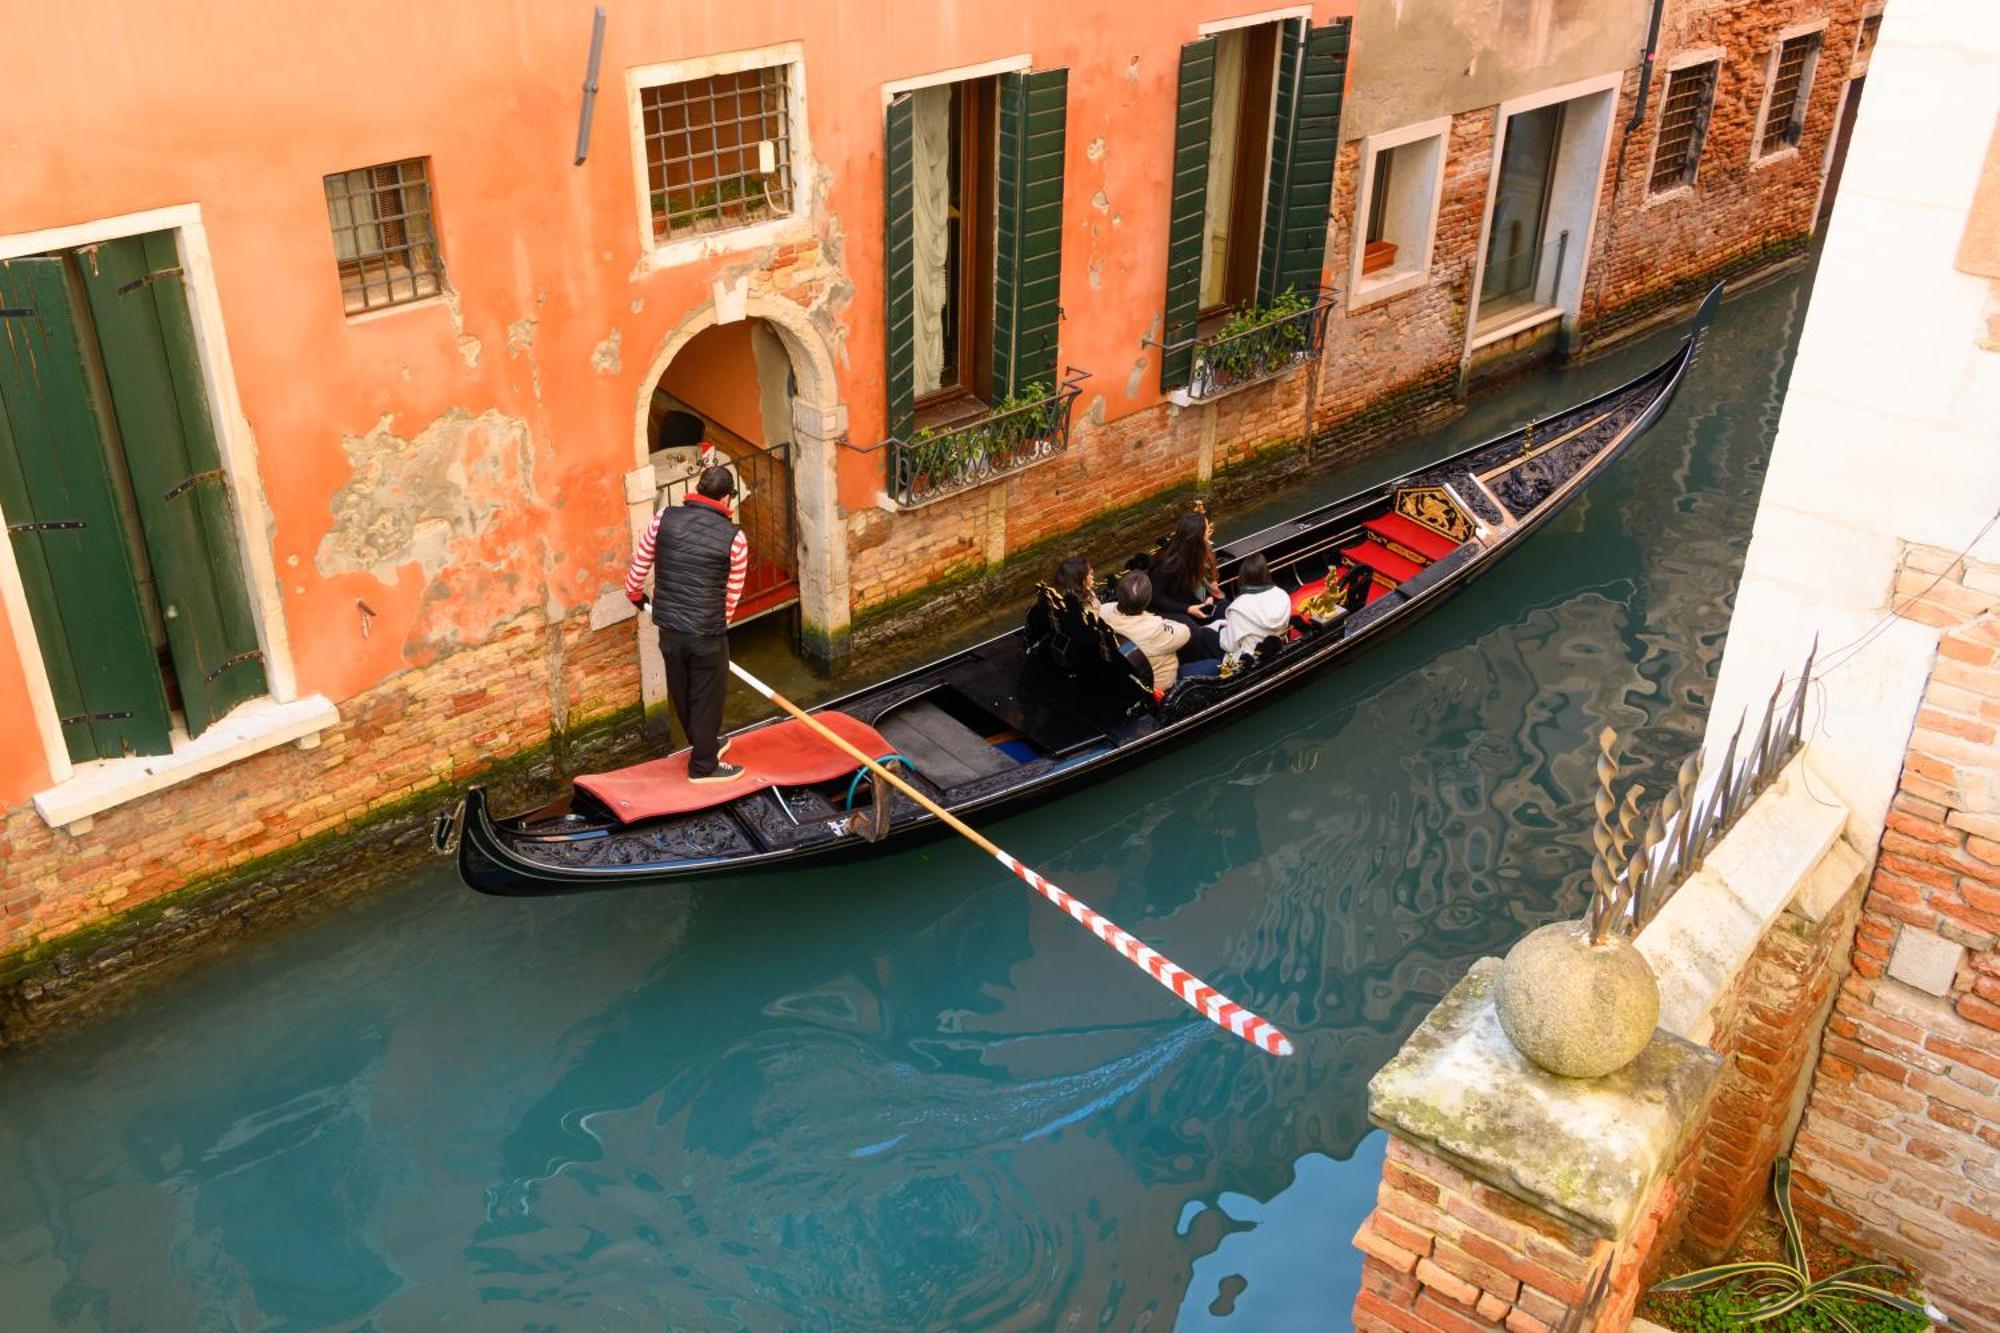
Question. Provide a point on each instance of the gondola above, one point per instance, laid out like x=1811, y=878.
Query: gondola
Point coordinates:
x=975, y=736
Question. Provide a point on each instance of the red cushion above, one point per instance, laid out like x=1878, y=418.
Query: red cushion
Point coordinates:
x=784, y=754
x=1405, y=531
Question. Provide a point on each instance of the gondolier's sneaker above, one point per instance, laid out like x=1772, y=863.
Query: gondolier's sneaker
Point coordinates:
x=722, y=773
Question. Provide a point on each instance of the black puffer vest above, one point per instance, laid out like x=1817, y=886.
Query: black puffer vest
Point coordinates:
x=691, y=569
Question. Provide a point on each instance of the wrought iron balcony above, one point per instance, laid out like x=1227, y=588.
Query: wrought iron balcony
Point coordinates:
x=1020, y=432
x=1258, y=344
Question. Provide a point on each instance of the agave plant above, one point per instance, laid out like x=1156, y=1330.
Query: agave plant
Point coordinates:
x=1776, y=1288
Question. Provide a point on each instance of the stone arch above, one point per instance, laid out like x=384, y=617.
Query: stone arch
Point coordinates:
x=819, y=423
x=812, y=360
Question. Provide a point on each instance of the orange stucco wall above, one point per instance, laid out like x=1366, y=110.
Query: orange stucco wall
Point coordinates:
x=717, y=375
x=242, y=107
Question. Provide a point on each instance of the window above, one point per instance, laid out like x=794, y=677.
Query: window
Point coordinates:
x=1791, y=85
x=1683, y=126
x=718, y=151
x=1401, y=175
x=1239, y=151
x=1865, y=39
x=953, y=151
x=382, y=235
x=972, y=244
x=111, y=481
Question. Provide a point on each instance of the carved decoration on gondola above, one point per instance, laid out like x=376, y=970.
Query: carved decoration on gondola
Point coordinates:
x=1430, y=506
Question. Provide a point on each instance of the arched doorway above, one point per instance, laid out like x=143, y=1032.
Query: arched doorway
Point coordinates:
x=747, y=322
x=726, y=396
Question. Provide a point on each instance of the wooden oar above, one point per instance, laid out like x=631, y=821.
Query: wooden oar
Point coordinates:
x=1207, y=1001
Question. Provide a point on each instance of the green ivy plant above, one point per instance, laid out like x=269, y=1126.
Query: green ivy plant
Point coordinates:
x=938, y=456
x=1256, y=340
x=1757, y=1291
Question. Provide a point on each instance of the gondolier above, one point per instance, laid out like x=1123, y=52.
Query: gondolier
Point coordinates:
x=702, y=558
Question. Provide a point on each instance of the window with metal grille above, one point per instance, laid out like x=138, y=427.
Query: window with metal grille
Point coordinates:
x=718, y=151
x=1864, y=41
x=1791, y=84
x=382, y=234
x=1683, y=126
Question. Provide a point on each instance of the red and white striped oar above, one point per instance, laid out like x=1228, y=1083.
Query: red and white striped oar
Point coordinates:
x=1207, y=1001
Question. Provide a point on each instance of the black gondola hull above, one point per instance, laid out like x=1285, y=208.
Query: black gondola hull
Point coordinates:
x=487, y=862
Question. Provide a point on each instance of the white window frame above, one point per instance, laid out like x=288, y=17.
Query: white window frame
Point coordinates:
x=82, y=790
x=1808, y=80
x=1403, y=277
x=796, y=225
x=1684, y=60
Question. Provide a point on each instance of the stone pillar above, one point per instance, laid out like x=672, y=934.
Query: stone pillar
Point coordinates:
x=1513, y=1198
x=824, y=592
x=642, y=490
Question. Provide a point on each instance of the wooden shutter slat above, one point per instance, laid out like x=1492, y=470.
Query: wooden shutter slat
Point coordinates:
x=899, y=259
x=82, y=592
x=146, y=335
x=1028, y=194
x=1305, y=145
x=1194, y=121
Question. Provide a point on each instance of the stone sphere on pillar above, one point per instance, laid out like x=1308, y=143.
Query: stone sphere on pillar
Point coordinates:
x=1575, y=1008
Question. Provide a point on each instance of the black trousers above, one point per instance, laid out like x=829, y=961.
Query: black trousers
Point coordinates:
x=697, y=679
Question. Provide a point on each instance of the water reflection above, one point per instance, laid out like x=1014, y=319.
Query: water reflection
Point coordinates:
x=907, y=1095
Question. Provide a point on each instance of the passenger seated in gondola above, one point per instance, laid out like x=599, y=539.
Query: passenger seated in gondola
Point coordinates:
x=1183, y=572
x=1072, y=653
x=1166, y=643
x=1259, y=611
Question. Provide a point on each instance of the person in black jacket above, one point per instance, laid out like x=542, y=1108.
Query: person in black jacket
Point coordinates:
x=702, y=559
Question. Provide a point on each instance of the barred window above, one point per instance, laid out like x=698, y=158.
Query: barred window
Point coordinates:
x=718, y=151
x=1683, y=126
x=382, y=234
x=1791, y=84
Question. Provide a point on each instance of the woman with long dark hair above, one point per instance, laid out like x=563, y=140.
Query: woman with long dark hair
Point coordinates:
x=1185, y=582
x=1072, y=652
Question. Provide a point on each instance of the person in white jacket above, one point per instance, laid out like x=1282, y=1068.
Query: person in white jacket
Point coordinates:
x=1259, y=611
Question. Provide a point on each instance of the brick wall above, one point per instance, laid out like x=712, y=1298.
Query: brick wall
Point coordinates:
x=1767, y=1031
x=1899, y=1152
x=423, y=730
x=1652, y=253
x=1446, y=1252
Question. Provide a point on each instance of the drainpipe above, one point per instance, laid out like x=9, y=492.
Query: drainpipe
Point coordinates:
x=1624, y=140
x=1646, y=67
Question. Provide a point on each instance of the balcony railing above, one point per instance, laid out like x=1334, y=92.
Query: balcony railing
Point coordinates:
x=1021, y=432
x=1258, y=344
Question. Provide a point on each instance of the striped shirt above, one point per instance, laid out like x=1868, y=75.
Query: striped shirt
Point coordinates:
x=739, y=560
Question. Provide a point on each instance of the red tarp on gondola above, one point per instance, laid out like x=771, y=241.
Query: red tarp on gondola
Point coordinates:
x=784, y=754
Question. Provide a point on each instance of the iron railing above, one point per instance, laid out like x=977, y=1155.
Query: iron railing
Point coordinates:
x=1643, y=858
x=765, y=512
x=1225, y=361
x=937, y=463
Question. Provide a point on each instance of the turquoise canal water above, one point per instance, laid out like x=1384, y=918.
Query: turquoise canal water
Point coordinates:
x=907, y=1095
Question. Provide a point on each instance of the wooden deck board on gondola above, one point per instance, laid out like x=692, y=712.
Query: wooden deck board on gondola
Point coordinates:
x=1004, y=743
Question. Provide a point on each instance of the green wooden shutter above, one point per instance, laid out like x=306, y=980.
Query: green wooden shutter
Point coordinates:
x=1305, y=140
x=1027, y=241
x=63, y=519
x=147, y=339
x=1194, y=116
x=899, y=261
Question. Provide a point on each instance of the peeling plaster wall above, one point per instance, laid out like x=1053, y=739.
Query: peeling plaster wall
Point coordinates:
x=540, y=350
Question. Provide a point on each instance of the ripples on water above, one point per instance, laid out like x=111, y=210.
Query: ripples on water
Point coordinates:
x=905, y=1094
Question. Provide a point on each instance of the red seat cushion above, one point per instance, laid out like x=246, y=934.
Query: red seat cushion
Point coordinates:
x=1405, y=531
x=1382, y=560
